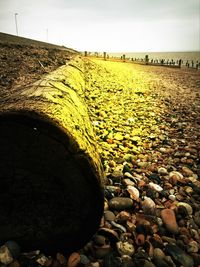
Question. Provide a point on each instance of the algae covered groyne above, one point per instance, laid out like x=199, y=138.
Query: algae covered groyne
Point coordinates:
x=50, y=170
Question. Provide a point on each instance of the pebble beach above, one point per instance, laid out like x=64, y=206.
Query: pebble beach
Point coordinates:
x=147, y=125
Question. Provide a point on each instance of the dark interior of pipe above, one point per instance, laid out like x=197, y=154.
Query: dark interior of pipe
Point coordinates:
x=48, y=199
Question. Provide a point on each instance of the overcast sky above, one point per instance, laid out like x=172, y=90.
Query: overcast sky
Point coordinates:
x=107, y=25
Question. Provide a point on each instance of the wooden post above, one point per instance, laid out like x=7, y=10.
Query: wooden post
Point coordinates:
x=50, y=171
x=104, y=55
x=146, y=59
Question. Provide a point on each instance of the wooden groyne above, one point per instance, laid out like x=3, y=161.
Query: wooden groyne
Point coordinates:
x=50, y=171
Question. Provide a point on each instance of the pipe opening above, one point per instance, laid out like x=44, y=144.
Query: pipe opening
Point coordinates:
x=48, y=199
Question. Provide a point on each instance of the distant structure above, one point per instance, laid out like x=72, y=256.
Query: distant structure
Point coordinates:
x=146, y=59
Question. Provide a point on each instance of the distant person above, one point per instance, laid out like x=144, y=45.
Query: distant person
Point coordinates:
x=179, y=63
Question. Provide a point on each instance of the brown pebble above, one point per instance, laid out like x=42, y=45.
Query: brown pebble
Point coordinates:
x=173, y=180
x=169, y=219
x=140, y=239
x=123, y=216
x=158, y=254
x=101, y=252
x=74, y=260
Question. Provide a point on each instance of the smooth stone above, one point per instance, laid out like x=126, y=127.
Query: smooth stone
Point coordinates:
x=74, y=259
x=42, y=260
x=102, y=251
x=123, y=216
x=128, y=182
x=170, y=262
x=179, y=256
x=120, y=203
x=188, y=190
x=5, y=255
x=140, y=239
x=193, y=247
x=118, y=136
x=187, y=206
x=163, y=149
x=99, y=240
x=155, y=187
x=172, y=197
x=162, y=171
x=176, y=174
x=148, y=205
x=130, y=176
x=109, y=215
x=187, y=171
x=194, y=233
x=158, y=254
x=125, y=248
x=134, y=192
x=169, y=219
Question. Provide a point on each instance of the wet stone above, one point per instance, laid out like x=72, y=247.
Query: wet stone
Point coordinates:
x=120, y=203
x=73, y=260
x=148, y=205
x=125, y=248
x=99, y=240
x=109, y=215
x=179, y=256
x=5, y=255
x=162, y=171
x=169, y=220
x=158, y=254
x=193, y=247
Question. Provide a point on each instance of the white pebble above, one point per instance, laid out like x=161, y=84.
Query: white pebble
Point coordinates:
x=172, y=197
x=162, y=170
x=155, y=187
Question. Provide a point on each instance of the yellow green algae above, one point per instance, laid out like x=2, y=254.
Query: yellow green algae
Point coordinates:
x=121, y=105
x=134, y=110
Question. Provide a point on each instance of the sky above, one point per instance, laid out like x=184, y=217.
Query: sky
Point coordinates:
x=106, y=25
